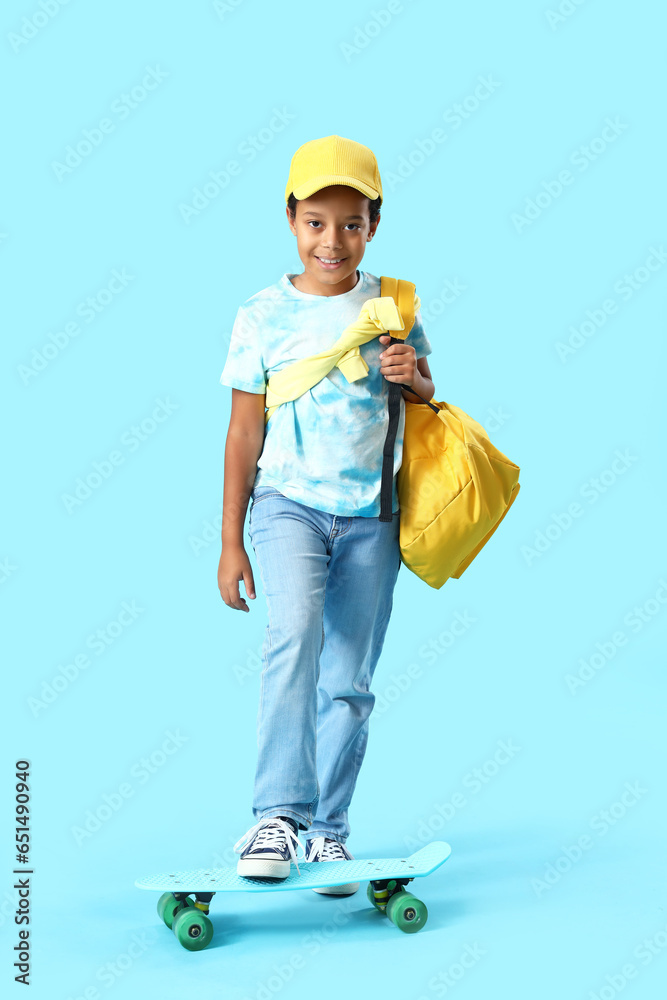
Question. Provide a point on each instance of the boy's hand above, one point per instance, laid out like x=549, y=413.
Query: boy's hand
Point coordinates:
x=398, y=362
x=234, y=566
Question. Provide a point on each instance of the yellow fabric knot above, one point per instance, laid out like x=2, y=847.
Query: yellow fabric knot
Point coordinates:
x=377, y=316
x=352, y=365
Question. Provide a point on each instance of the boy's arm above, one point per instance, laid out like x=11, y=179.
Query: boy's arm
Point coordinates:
x=423, y=384
x=245, y=440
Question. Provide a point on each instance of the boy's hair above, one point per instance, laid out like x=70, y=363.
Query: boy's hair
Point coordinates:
x=373, y=207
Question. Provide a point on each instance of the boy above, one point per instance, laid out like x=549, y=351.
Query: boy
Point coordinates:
x=328, y=565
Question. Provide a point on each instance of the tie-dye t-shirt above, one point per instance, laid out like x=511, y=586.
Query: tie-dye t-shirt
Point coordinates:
x=323, y=449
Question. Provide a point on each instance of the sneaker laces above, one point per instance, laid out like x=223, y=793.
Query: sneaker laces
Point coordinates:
x=326, y=849
x=270, y=832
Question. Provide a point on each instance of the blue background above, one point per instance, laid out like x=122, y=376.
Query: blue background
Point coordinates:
x=550, y=590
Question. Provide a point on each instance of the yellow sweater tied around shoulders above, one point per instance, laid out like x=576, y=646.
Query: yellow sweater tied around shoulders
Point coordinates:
x=376, y=317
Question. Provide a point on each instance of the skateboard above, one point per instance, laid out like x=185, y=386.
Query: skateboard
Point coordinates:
x=387, y=880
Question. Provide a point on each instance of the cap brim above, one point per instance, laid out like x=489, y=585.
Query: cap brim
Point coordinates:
x=315, y=184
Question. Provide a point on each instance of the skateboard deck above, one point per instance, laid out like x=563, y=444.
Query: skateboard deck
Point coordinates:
x=386, y=877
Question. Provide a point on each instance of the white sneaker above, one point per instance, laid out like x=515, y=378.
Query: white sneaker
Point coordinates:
x=326, y=849
x=267, y=849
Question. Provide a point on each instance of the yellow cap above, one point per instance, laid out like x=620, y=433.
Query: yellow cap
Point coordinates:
x=333, y=160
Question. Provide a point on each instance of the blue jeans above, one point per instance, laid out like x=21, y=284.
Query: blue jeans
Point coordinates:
x=329, y=583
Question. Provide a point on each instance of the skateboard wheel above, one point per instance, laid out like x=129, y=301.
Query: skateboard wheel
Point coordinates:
x=407, y=912
x=168, y=906
x=192, y=928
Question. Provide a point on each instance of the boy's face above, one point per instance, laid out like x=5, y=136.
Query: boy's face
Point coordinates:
x=332, y=224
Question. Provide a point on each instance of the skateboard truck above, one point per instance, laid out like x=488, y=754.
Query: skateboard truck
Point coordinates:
x=381, y=890
x=202, y=899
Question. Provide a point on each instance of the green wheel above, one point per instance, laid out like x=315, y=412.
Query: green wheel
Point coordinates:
x=407, y=912
x=192, y=928
x=168, y=906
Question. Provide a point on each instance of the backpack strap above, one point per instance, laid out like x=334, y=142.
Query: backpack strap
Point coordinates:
x=403, y=294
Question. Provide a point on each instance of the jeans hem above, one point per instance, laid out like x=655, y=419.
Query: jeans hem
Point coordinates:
x=302, y=821
x=325, y=833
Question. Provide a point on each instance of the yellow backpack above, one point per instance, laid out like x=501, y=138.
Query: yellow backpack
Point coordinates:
x=454, y=487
